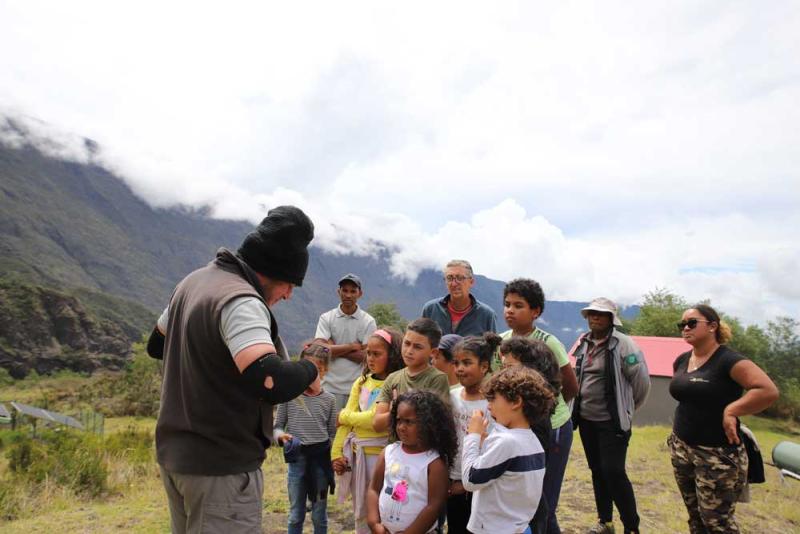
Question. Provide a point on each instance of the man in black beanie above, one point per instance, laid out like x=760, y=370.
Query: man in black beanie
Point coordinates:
x=224, y=368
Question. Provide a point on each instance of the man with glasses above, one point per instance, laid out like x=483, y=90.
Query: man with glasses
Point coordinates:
x=459, y=312
x=613, y=382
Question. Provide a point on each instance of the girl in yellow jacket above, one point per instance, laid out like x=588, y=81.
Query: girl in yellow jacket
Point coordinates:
x=356, y=446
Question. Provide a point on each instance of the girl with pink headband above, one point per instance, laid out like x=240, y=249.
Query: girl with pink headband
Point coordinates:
x=356, y=447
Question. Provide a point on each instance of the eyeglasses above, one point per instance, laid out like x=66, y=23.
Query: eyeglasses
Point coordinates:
x=691, y=323
x=450, y=278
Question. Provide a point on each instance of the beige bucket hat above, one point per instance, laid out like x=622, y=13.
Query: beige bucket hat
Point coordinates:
x=603, y=304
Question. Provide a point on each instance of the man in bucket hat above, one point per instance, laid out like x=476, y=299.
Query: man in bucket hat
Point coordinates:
x=613, y=382
x=224, y=368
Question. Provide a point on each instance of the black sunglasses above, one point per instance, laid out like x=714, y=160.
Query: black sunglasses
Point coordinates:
x=691, y=323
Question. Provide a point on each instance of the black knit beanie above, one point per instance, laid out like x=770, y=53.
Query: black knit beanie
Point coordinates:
x=278, y=247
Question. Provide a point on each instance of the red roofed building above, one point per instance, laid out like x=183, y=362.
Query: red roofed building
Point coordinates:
x=659, y=352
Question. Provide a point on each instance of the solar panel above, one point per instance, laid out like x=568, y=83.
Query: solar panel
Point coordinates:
x=5, y=415
x=31, y=411
x=65, y=420
x=46, y=415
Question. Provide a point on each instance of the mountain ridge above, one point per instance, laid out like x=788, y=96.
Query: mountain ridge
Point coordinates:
x=77, y=225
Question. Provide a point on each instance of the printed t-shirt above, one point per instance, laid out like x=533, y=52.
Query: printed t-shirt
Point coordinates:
x=702, y=396
x=561, y=414
x=405, y=486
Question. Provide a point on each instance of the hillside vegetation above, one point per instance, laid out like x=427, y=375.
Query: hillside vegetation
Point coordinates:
x=47, y=330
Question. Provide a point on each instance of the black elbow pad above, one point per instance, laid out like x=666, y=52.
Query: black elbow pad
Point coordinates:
x=155, y=345
x=289, y=379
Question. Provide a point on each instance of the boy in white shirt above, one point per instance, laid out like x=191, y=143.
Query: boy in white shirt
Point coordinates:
x=505, y=469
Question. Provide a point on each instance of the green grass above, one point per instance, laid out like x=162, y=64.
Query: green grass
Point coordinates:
x=136, y=500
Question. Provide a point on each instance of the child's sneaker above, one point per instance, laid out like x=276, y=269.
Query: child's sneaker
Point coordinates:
x=602, y=528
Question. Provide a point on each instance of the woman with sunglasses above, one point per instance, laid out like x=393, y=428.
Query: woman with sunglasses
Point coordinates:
x=708, y=457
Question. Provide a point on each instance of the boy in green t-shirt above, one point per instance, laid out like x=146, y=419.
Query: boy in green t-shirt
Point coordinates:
x=420, y=342
x=523, y=303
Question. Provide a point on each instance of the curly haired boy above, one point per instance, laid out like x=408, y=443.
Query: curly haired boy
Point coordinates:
x=505, y=469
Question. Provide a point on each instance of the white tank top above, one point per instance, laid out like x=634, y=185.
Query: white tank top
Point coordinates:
x=405, y=486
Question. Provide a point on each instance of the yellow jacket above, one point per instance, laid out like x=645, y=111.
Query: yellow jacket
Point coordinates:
x=357, y=415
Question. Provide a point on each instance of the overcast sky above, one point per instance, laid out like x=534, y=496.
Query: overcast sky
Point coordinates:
x=601, y=148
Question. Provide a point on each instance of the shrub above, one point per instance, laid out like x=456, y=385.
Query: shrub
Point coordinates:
x=131, y=444
x=70, y=459
x=140, y=386
x=5, y=378
x=10, y=505
x=788, y=404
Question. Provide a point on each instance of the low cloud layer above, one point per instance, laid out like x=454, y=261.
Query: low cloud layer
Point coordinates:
x=599, y=150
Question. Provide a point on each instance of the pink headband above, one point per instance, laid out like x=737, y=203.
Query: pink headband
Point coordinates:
x=384, y=335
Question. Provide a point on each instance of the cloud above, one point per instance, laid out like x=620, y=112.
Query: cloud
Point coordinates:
x=598, y=149
x=781, y=269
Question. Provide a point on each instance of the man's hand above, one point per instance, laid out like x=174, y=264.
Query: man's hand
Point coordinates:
x=283, y=438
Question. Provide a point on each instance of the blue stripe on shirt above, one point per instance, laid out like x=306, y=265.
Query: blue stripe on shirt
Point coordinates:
x=517, y=464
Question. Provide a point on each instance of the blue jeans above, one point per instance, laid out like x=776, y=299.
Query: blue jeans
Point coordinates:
x=557, y=456
x=298, y=497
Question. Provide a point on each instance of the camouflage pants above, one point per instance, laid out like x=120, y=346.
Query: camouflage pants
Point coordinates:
x=710, y=480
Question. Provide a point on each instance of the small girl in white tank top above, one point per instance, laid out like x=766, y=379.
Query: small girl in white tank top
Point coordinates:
x=410, y=481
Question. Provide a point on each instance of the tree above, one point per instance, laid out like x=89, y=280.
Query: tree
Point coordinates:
x=386, y=314
x=750, y=341
x=784, y=347
x=659, y=314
